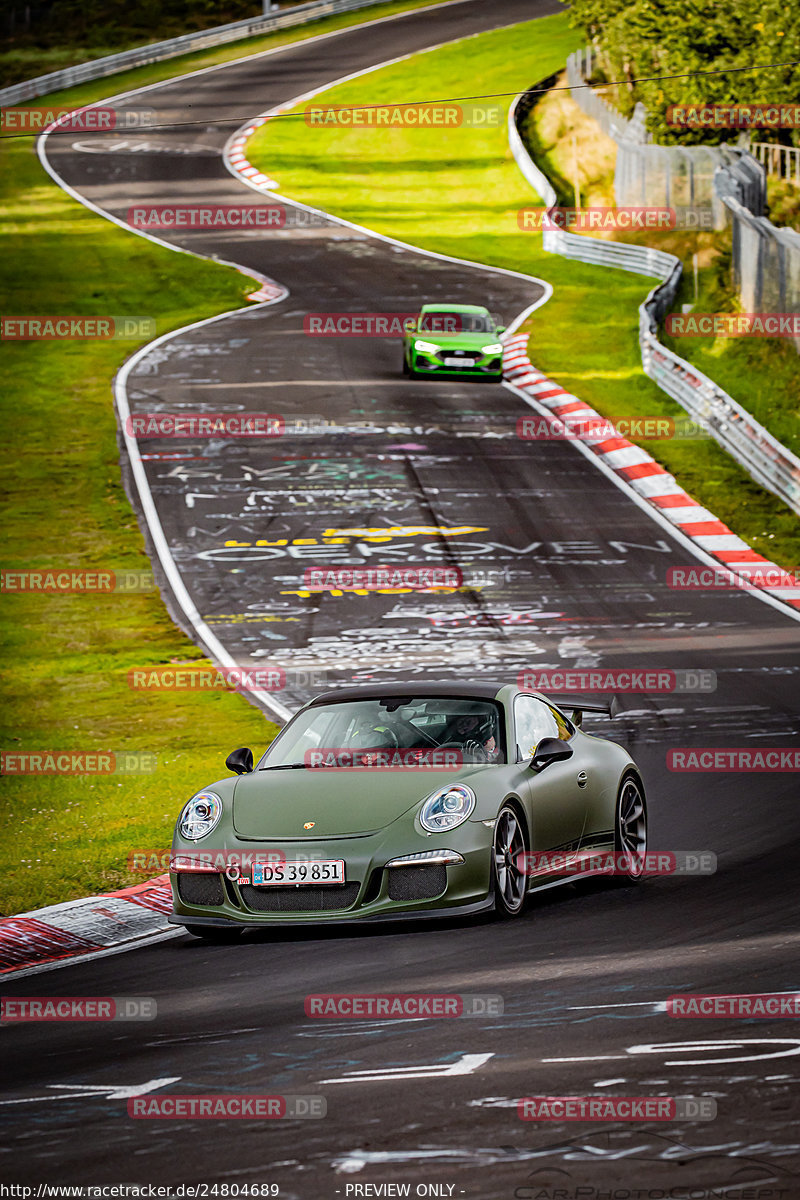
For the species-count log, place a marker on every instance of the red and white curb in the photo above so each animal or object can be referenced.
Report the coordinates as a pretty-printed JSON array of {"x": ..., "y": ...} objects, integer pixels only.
[
  {"x": 86, "y": 928},
  {"x": 651, "y": 482},
  {"x": 269, "y": 292},
  {"x": 237, "y": 162},
  {"x": 237, "y": 159}
]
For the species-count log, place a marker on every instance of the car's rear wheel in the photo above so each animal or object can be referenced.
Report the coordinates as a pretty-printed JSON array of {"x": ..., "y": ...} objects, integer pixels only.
[
  {"x": 213, "y": 933},
  {"x": 630, "y": 830},
  {"x": 510, "y": 879}
]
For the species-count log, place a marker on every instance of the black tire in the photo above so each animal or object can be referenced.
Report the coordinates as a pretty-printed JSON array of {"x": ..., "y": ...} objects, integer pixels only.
[
  {"x": 630, "y": 829},
  {"x": 508, "y": 882},
  {"x": 213, "y": 933},
  {"x": 406, "y": 368}
]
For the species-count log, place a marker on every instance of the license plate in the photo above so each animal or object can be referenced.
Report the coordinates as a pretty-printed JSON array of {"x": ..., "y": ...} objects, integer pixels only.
[
  {"x": 458, "y": 362},
  {"x": 323, "y": 871}
]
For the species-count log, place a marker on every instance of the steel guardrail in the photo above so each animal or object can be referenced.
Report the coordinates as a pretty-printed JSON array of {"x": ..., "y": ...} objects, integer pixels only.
[{"x": 766, "y": 459}]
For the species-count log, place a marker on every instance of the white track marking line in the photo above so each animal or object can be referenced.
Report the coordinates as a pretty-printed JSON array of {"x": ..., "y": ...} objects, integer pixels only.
[
  {"x": 707, "y": 1045},
  {"x": 107, "y": 1091},
  {"x": 206, "y": 638},
  {"x": 466, "y": 1065}
]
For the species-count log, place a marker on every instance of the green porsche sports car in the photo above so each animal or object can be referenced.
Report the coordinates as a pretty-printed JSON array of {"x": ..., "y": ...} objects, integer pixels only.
[
  {"x": 405, "y": 800},
  {"x": 448, "y": 339}
]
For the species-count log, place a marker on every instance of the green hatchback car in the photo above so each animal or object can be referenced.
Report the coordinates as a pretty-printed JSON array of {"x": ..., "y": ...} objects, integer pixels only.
[
  {"x": 447, "y": 339},
  {"x": 405, "y": 800}
]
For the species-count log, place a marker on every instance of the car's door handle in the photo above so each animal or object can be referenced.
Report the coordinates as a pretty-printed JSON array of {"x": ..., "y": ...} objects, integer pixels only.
[{"x": 583, "y": 779}]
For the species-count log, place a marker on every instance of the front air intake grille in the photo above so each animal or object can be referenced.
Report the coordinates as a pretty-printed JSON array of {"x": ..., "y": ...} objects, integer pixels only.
[
  {"x": 200, "y": 889},
  {"x": 417, "y": 883},
  {"x": 299, "y": 899},
  {"x": 467, "y": 358}
]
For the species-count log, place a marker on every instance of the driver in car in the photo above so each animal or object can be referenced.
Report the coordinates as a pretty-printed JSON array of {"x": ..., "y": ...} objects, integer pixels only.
[
  {"x": 374, "y": 737},
  {"x": 475, "y": 732}
]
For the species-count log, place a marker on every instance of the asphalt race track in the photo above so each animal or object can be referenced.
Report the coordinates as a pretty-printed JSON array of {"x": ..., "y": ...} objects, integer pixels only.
[{"x": 564, "y": 571}]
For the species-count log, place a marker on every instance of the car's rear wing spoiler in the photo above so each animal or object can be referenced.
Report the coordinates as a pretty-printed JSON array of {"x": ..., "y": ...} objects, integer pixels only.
[{"x": 577, "y": 706}]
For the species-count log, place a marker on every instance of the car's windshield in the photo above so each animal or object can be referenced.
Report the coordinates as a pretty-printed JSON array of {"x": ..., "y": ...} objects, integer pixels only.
[
  {"x": 455, "y": 322},
  {"x": 471, "y": 730}
]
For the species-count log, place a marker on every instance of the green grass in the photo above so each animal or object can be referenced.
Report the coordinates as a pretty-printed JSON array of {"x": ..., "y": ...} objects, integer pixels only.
[
  {"x": 783, "y": 202},
  {"x": 761, "y": 373},
  {"x": 458, "y": 191}
]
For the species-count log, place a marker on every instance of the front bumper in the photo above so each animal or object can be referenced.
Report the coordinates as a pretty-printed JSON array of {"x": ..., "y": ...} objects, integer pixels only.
[
  {"x": 472, "y": 363},
  {"x": 430, "y": 914},
  {"x": 371, "y": 892}
]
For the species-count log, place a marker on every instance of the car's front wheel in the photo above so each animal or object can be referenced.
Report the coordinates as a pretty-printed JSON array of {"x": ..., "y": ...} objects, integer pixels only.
[
  {"x": 213, "y": 933},
  {"x": 508, "y": 866},
  {"x": 630, "y": 830}
]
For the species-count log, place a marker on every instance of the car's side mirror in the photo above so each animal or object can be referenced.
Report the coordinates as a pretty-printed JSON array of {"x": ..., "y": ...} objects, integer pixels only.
[
  {"x": 240, "y": 761},
  {"x": 500, "y": 329},
  {"x": 550, "y": 750}
]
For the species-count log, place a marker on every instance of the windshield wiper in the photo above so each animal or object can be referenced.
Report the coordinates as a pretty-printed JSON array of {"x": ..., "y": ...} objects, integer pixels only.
[{"x": 285, "y": 767}]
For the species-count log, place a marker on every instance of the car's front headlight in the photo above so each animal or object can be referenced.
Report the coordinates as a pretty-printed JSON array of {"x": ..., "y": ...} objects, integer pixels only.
[
  {"x": 446, "y": 808},
  {"x": 425, "y": 347},
  {"x": 495, "y": 348},
  {"x": 200, "y": 816}
]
